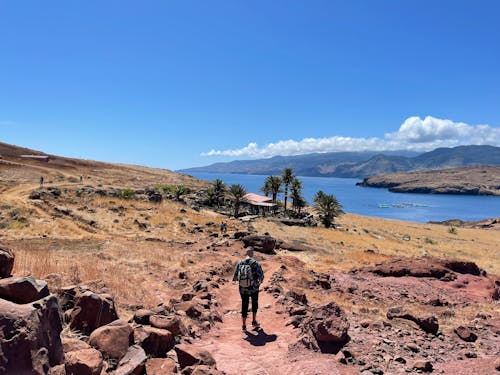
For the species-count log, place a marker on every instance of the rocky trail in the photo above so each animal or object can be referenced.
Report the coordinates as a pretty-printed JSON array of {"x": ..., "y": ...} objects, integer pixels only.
[{"x": 266, "y": 350}]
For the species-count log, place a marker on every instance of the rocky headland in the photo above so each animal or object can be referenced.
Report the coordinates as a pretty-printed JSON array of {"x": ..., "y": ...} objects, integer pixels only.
[{"x": 483, "y": 180}]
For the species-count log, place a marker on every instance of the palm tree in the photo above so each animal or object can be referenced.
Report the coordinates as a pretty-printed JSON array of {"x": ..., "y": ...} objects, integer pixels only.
[
  {"x": 237, "y": 193},
  {"x": 219, "y": 190},
  {"x": 272, "y": 186},
  {"x": 296, "y": 194},
  {"x": 287, "y": 177},
  {"x": 328, "y": 207}
]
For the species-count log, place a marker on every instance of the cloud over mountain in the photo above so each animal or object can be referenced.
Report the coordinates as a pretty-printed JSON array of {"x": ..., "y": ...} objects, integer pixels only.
[{"x": 414, "y": 134}]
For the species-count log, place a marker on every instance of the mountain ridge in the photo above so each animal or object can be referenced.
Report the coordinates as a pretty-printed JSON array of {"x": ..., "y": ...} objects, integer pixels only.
[{"x": 361, "y": 164}]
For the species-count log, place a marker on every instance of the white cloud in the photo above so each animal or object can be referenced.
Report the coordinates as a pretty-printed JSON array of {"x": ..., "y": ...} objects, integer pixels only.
[{"x": 414, "y": 134}]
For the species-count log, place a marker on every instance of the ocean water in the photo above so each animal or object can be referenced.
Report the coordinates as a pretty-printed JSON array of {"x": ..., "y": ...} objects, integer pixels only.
[{"x": 381, "y": 202}]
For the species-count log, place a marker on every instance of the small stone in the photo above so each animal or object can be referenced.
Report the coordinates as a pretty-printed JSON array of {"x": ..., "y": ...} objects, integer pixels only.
[
  {"x": 424, "y": 366},
  {"x": 465, "y": 334}
]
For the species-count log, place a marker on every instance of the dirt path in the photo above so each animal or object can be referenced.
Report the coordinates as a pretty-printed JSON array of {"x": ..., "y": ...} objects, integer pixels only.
[{"x": 265, "y": 351}]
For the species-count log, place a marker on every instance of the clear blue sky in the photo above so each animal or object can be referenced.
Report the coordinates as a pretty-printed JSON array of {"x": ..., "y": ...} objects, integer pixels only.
[{"x": 161, "y": 82}]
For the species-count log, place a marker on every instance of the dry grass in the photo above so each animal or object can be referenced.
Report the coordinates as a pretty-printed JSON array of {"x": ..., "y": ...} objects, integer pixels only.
[{"x": 347, "y": 248}]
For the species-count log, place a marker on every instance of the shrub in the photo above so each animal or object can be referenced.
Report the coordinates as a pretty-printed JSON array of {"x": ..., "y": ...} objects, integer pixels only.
[
  {"x": 452, "y": 230},
  {"x": 127, "y": 193}
]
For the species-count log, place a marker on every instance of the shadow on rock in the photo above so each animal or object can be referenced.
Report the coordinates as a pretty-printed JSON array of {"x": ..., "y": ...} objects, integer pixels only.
[
  {"x": 260, "y": 338},
  {"x": 332, "y": 347}
]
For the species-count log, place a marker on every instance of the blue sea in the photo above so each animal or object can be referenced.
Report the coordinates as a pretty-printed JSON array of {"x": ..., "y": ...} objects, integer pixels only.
[{"x": 380, "y": 202}]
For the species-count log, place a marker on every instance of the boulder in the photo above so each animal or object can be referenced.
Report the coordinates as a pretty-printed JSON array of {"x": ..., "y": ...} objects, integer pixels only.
[
  {"x": 23, "y": 289},
  {"x": 156, "y": 342},
  {"x": 465, "y": 334},
  {"x": 142, "y": 316},
  {"x": 428, "y": 324},
  {"x": 113, "y": 339},
  {"x": 173, "y": 323},
  {"x": 84, "y": 362},
  {"x": 30, "y": 340},
  {"x": 161, "y": 366},
  {"x": 329, "y": 324},
  {"x": 72, "y": 345},
  {"x": 424, "y": 366},
  {"x": 92, "y": 311},
  {"x": 133, "y": 363},
  {"x": 262, "y": 244},
  {"x": 193, "y": 309},
  {"x": 6, "y": 261},
  {"x": 189, "y": 356}
]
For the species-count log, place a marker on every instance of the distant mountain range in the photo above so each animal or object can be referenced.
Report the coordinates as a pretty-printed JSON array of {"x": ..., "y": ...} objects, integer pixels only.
[{"x": 361, "y": 164}]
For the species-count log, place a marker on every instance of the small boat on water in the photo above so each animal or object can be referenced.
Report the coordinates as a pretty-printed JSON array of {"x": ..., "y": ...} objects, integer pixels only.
[{"x": 383, "y": 205}]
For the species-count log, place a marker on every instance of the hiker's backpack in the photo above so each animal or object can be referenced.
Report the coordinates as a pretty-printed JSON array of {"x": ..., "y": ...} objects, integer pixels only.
[{"x": 245, "y": 274}]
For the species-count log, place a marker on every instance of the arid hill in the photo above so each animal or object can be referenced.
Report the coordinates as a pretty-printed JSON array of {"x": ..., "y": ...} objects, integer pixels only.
[
  {"x": 482, "y": 180},
  {"x": 373, "y": 296}
]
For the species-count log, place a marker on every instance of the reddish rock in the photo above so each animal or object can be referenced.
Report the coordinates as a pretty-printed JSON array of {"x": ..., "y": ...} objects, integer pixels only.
[
  {"x": 84, "y": 362},
  {"x": 113, "y": 339},
  {"x": 428, "y": 324},
  {"x": 329, "y": 324},
  {"x": 263, "y": 244},
  {"x": 30, "y": 336},
  {"x": 142, "y": 316},
  {"x": 189, "y": 356},
  {"x": 205, "y": 370},
  {"x": 465, "y": 334},
  {"x": 6, "y": 261},
  {"x": 58, "y": 370},
  {"x": 161, "y": 366},
  {"x": 172, "y": 323},
  {"x": 23, "y": 289},
  {"x": 424, "y": 366},
  {"x": 133, "y": 363},
  {"x": 92, "y": 311},
  {"x": 71, "y": 345},
  {"x": 192, "y": 309},
  {"x": 156, "y": 342},
  {"x": 496, "y": 364}
]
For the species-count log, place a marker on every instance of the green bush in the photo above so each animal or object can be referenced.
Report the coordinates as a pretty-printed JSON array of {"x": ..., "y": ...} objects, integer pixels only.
[
  {"x": 452, "y": 230},
  {"x": 127, "y": 193}
]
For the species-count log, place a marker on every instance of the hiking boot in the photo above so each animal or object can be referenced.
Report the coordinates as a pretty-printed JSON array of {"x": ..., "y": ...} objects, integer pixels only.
[
  {"x": 243, "y": 327},
  {"x": 255, "y": 324}
]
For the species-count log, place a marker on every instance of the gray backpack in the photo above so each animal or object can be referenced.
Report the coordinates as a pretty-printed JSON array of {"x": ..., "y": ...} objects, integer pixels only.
[{"x": 245, "y": 274}]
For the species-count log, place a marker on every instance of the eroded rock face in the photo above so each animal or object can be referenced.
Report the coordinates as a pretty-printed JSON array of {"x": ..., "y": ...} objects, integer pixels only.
[
  {"x": 30, "y": 340},
  {"x": 23, "y": 289},
  {"x": 6, "y": 261},
  {"x": 92, "y": 311},
  {"x": 113, "y": 339},
  {"x": 263, "y": 244}
]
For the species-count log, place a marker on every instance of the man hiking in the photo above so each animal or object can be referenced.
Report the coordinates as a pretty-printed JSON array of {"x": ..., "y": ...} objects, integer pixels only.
[{"x": 249, "y": 274}]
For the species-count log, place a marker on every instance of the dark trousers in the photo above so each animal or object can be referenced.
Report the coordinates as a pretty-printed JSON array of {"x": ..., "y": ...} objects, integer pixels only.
[{"x": 244, "y": 303}]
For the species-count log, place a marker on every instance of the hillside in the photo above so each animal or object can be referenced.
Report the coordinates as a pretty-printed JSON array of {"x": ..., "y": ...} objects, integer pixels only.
[
  {"x": 16, "y": 169},
  {"x": 361, "y": 164},
  {"x": 482, "y": 180},
  {"x": 151, "y": 277}
]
